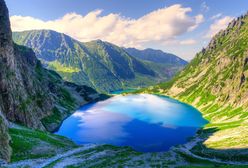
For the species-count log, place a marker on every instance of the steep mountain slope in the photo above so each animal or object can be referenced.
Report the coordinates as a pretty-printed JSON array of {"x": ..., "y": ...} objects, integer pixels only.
[
  {"x": 5, "y": 150},
  {"x": 98, "y": 64},
  {"x": 216, "y": 82},
  {"x": 31, "y": 95},
  {"x": 156, "y": 56},
  {"x": 166, "y": 65}
]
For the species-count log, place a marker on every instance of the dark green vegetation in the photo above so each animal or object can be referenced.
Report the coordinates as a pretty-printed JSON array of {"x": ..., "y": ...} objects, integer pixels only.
[
  {"x": 216, "y": 82},
  {"x": 101, "y": 65}
]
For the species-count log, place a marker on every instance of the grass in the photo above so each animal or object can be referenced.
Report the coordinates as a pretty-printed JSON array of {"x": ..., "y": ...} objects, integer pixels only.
[
  {"x": 55, "y": 117},
  {"x": 25, "y": 143},
  {"x": 57, "y": 66},
  {"x": 115, "y": 156}
]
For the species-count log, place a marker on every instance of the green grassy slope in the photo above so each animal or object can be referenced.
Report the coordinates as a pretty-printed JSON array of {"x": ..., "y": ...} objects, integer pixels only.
[
  {"x": 216, "y": 82},
  {"x": 32, "y": 144}
]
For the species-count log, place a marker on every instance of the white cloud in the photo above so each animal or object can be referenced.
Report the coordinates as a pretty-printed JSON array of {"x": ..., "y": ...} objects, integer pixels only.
[
  {"x": 188, "y": 42},
  {"x": 198, "y": 20},
  {"x": 175, "y": 42},
  {"x": 216, "y": 16},
  {"x": 219, "y": 24},
  {"x": 204, "y": 7},
  {"x": 159, "y": 25}
]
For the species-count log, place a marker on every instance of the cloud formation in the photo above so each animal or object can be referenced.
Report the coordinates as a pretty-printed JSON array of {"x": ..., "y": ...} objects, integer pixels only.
[
  {"x": 158, "y": 26},
  {"x": 188, "y": 42},
  {"x": 204, "y": 7},
  {"x": 216, "y": 16},
  {"x": 219, "y": 24}
]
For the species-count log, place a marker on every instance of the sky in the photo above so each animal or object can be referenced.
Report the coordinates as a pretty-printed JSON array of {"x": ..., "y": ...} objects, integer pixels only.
[{"x": 181, "y": 27}]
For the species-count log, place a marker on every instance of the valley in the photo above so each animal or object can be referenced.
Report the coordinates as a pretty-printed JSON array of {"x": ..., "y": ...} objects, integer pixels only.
[{"x": 97, "y": 105}]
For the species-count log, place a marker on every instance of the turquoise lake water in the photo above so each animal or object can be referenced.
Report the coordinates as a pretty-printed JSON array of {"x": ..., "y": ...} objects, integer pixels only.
[
  {"x": 145, "y": 122},
  {"x": 123, "y": 91}
]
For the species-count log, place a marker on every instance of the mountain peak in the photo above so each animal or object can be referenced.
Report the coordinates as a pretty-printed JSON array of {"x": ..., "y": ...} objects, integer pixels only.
[
  {"x": 5, "y": 31},
  {"x": 100, "y": 42}
]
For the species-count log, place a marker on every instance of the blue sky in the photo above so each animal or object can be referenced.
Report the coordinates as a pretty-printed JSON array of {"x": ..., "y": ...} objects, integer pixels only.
[{"x": 182, "y": 27}]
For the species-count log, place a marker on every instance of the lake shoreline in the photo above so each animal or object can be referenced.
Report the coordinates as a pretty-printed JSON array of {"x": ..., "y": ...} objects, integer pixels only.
[{"x": 135, "y": 106}]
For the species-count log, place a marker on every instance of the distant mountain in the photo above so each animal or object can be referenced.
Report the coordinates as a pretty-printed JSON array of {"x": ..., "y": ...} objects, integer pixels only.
[
  {"x": 101, "y": 65},
  {"x": 156, "y": 56}
]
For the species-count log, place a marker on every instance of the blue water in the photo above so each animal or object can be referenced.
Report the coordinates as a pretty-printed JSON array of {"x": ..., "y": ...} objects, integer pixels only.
[
  {"x": 122, "y": 91},
  {"x": 147, "y": 123}
]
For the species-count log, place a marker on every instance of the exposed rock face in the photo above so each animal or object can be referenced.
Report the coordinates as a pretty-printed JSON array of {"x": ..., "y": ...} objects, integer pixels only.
[
  {"x": 5, "y": 48},
  {"x": 5, "y": 150},
  {"x": 29, "y": 94},
  {"x": 19, "y": 84}
]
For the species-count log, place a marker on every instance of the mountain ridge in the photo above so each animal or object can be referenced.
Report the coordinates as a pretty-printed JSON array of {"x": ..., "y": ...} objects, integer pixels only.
[
  {"x": 114, "y": 68},
  {"x": 158, "y": 56}
]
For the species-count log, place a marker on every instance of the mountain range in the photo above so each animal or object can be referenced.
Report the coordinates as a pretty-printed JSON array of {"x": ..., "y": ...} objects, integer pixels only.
[
  {"x": 98, "y": 64},
  {"x": 34, "y": 100}
]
